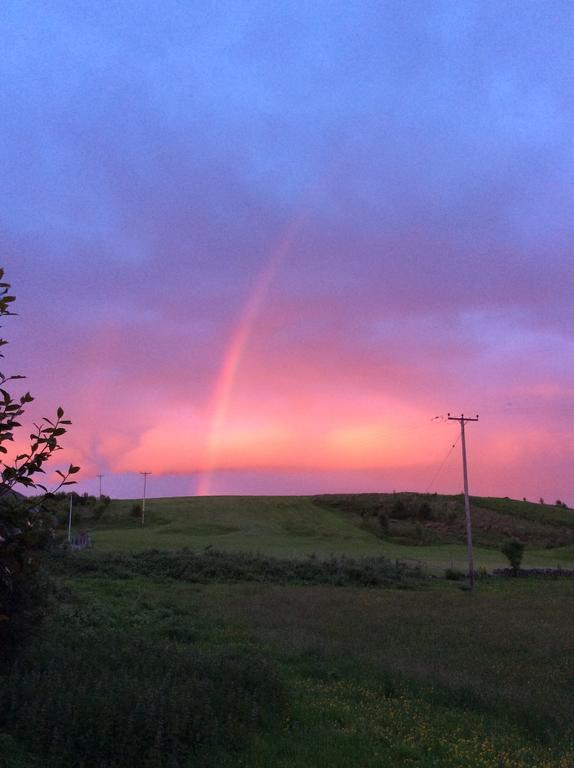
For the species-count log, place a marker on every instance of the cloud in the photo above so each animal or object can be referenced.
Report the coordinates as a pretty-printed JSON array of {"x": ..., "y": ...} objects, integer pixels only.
[{"x": 155, "y": 158}]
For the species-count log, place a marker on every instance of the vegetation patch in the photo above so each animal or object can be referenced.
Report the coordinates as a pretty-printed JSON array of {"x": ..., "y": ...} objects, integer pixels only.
[
  {"x": 100, "y": 693},
  {"x": 413, "y": 518},
  {"x": 213, "y": 565}
]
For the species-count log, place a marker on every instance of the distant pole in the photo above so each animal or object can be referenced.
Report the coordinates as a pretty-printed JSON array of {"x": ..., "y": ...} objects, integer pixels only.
[
  {"x": 145, "y": 474},
  {"x": 100, "y": 476},
  {"x": 70, "y": 518},
  {"x": 461, "y": 419}
]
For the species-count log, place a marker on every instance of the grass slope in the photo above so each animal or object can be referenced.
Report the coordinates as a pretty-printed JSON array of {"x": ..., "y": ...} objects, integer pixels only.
[{"x": 345, "y": 524}]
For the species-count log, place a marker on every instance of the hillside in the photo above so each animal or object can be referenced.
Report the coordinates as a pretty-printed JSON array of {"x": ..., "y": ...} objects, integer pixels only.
[
  {"x": 425, "y": 528},
  {"x": 410, "y": 518}
]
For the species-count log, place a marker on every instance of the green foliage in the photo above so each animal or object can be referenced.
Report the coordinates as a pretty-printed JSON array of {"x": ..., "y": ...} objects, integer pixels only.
[
  {"x": 430, "y": 680},
  {"x": 514, "y": 551},
  {"x": 420, "y": 533},
  {"x": 527, "y": 510},
  {"x": 383, "y": 519},
  {"x": 454, "y": 574},
  {"x": 136, "y": 511},
  {"x": 100, "y": 507},
  {"x": 232, "y": 567},
  {"x": 109, "y": 699},
  {"x": 25, "y": 526},
  {"x": 424, "y": 511},
  {"x": 400, "y": 509}
]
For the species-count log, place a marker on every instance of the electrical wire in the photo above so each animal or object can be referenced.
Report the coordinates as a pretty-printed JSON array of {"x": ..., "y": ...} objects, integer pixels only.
[{"x": 444, "y": 461}]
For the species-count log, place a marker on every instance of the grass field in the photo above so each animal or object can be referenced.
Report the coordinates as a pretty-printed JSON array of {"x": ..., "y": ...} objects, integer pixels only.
[
  {"x": 296, "y": 526},
  {"x": 369, "y": 678},
  {"x": 176, "y": 645}
]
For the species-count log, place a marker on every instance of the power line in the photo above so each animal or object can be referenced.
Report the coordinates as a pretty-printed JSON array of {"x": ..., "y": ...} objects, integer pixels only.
[{"x": 444, "y": 461}]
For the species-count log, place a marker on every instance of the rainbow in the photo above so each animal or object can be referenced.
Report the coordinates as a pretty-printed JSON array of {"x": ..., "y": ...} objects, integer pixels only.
[{"x": 235, "y": 349}]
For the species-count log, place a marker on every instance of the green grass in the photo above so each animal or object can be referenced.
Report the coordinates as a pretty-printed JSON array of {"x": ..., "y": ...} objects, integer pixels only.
[
  {"x": 219, "y": 657},
  {"x": 364, "y": 677},
  {"x": 297, "y": 527},
  {"x": 528, "y": 510},
  {"x": 276, "y": 525}
]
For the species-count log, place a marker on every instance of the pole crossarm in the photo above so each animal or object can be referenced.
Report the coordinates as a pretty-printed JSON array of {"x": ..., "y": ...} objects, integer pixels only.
[{"x": 462, "y": 417}]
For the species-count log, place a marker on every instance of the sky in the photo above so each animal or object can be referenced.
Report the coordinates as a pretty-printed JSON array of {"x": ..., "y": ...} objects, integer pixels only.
[{"x": 267, "y": 247}]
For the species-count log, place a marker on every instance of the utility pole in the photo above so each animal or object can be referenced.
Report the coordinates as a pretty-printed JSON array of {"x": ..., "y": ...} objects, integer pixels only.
[
  {"x": 70, "y": 518},
  {"x": 100, "y": 476},
  {"x": 145, "y": 474},
  {"x": 461, "y": 419}
]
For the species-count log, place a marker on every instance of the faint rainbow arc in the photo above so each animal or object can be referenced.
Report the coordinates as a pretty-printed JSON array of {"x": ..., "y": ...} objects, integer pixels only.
[{"x": 235, "y": 349}]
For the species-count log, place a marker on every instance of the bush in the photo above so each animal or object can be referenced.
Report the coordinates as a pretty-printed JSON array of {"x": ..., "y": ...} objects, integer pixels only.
[
  {"x": 453, "y": 574},
  {"x": 26, "y": 527},
  {"x": 136, "y": 511},
  {"x": 383, "y": 521},
  {"x": 400, "y": 510},
  {"x": 514, "y": 551},
  {"x": 231, "y": 567},
  {"x": 424, "y": 511},
  {"x": 420, "y": 533}
]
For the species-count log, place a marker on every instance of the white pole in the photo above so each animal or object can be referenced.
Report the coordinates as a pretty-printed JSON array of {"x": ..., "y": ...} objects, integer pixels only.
[
  {"x": 70, "y": 518},
  {"x": 145, "y": 474}
]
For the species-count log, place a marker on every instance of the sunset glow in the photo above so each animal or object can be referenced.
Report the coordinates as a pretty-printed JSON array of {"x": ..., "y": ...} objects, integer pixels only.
[{"x": 259, "y": 248}]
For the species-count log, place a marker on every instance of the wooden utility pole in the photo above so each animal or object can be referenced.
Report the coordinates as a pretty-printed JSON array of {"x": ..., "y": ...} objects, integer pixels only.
[
  {"x": 461, "y": 419},
  {"x": 145, "y": 474}
]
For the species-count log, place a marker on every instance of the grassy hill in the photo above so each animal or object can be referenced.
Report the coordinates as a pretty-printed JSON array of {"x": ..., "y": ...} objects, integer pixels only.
[{"x": 429, "y": 529}]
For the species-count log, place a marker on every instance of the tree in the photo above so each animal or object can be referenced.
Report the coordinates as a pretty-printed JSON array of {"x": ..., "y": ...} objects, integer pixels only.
[
  {"x": 26, "y": 526},
  {"x": 514, "y": 551}
]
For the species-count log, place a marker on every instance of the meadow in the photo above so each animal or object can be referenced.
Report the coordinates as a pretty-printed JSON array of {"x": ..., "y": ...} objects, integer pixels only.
[
  {"x": 335, "y": 525},
  {"x": 262, "y": 652}
]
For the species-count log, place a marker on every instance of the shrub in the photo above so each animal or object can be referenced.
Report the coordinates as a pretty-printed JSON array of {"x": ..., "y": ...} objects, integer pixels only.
[
  {"x": 514, "y": 551},
  {"x": 98, "y": 511},
  {"x": 136, "y": 511},
  {"x": 400, "y": 510},
  {"x": 26, "y": 526},
  {"x": 424, "y": 511},
  {"x": 420, "y": 533},
  {"x": 383, "y": 521},
  {"x": 454, "y": 574},
  {"x": 230, "y": 567}
]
